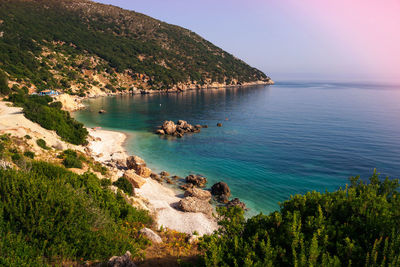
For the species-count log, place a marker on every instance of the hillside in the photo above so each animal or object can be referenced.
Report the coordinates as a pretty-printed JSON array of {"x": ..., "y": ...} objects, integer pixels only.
[{"x": 80, "y": 46}]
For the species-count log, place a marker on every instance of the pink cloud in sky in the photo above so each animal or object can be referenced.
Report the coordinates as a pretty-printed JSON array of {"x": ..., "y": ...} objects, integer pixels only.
[{"x": 369, "y": 28}]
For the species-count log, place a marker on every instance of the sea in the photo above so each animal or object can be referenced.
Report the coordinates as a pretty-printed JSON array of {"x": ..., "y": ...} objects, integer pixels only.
[{"x": 275, "y": 141}]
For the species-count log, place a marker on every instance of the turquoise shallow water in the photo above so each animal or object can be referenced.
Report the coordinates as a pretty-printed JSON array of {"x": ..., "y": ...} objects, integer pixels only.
[{"x": 278, "y": 140}]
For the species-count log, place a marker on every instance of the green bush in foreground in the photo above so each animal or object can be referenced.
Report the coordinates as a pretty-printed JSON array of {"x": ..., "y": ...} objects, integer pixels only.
[
  {"x": 123, "y": 184},
  {"x": 49, "y": 214},
  {"x": 358, "y": 225}
]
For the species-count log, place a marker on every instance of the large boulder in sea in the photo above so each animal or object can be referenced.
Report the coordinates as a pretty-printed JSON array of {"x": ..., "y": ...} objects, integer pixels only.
[
  {"x": 121, "y": 261},
  {"x": 169, "y": 127},
  {"x": 196, "y": 180},
  {"x": 135, "y": 180},
  {"x": 221, "y": 191},
  {"x": 192, "y": 204},
  {"x": 198, "y": 193}
]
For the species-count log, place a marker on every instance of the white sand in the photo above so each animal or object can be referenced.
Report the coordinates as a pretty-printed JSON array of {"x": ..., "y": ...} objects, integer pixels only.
[
  {"x": 109, "y": 145},
  {"x": 162, "y": 200}
]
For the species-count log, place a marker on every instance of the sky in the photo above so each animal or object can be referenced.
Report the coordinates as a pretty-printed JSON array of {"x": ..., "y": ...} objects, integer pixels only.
[{"x": 341, "y": 40}]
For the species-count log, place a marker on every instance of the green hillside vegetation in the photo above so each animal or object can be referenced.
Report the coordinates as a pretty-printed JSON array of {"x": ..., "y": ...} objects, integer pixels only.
[
  {"x": 124, "y": 41},
  {"x": 48, "y": 214},
  {"x": 355, "y": 226},
  {"x": 49, "y": 115}
]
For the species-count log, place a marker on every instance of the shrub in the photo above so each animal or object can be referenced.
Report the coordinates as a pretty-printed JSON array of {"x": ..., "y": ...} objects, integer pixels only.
[
  {"x": 123, "y": 184},
  {"x": 16, "y": 157},
  {"x": 29, "y": 154},
  {"x": 41, "y": 143},
  {"x": 72, "y": 162},
  {"x": 357, "y": 225},
  {"x": 98, "y": 167},
  {"x": 28, "y": 137},
  {"x": 105, "y": 182},
  {"x": 4, "y": 89},
  {"x": 70, "y": 152},
  {"x": 57, "y": 105},
  {"x": 48, "y": 215}
]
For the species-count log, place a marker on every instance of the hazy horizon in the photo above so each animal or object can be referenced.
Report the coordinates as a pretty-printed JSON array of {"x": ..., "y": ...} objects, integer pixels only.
[{"x": 342, "y": 41}]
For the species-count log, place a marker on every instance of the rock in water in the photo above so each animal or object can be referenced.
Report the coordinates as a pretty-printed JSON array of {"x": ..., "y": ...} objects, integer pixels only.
[
  {"x": 135, "y": 180},
  {"x": 164, "y": 173},
  {"x": 191, "y": 204},
  {"x": 169, "y": 127},
  {"x": 221, "y": 191},
  {"x": 198, "y": 193},
  {"x": 236, "y": 203},
  {"x": 160, "y": 132},
  {"x": 196, "y": 180},
  {"x": 154, "y": 176},
  {"x": 121, "y": 261},
  {"x": 186, "y": 186},
  {"x": 149, "y": 234}
]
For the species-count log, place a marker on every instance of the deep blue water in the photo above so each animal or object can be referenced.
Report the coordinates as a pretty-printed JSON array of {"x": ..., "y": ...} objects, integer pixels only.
[{"x": 277, "y": 140}]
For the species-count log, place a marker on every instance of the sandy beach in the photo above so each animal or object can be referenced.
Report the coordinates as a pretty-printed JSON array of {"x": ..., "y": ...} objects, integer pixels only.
[{"x": 108, "y": 145}]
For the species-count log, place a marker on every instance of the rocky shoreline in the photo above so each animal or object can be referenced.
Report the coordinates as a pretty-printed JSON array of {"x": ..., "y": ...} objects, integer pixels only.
[
  {"x": 187, "y": 210},
  {"x": 74, "y": 102}
]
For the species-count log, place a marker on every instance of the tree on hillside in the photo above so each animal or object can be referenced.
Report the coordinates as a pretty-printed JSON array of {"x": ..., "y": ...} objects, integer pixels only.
[{"x": 4, "y": 89}]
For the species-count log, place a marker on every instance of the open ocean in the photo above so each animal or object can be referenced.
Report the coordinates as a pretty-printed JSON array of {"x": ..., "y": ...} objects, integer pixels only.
[{"x": 277, "y": 141}]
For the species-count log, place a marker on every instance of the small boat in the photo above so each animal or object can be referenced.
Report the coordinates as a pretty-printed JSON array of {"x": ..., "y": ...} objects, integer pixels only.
[{"x": 101, "y": 111}]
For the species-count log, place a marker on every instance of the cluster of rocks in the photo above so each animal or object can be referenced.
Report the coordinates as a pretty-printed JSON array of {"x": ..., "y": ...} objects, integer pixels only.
[
  {"x": 195, "y": 198},
  {"x": 135, "y": 170},
  {"x": 165, "y": 177},
  {"x": 198, "y": 200},
  {"x": 179, "y": 129}
]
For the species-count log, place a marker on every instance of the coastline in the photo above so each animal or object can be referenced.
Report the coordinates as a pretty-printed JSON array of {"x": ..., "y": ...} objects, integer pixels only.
[
  {"x": 107, "y": 146},
  {"x": 73, "y": 103}
]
